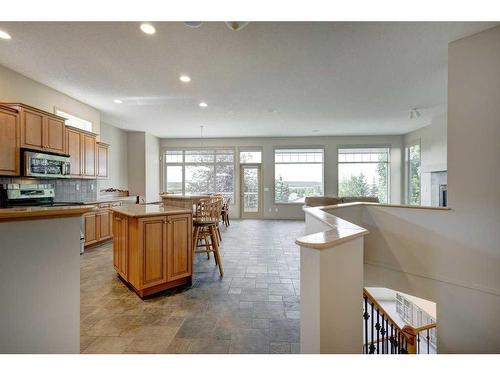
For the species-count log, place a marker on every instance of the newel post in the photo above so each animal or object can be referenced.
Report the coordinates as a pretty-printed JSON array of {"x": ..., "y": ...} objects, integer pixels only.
[{"x": 331, "y": 286}]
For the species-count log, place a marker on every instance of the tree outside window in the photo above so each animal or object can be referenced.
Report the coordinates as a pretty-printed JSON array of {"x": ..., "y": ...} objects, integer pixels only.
[
  {"x": 364, "y": 172},
  {"x": 413, "y": 170}
]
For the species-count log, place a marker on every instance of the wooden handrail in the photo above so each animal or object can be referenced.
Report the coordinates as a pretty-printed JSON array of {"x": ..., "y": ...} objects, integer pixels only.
[
  {"x": 375, "y": 302},
  {"x": 426, "y": 327},
  {"x": 380, "y": 308}
]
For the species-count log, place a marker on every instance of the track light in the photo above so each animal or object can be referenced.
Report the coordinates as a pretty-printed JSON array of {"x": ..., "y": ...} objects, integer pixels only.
[{"x": 414, "y": 113}]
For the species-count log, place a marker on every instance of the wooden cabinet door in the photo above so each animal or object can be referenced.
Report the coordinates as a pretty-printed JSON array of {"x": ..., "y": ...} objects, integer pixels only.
[
  {"x": 179, "y": 250},
  {"x": 32, "y": 125},
  {"x": 124, "y": 246},
  {"x": 120, "y": 244},
  {"x": 153, "y": 247},
  {"x": 88, "y": 155},
  {"x": 116, "y": 242},
  {"x": 103, "y": 225},
  {"x": 53, "y": 135},
  {"x": 9, "y": 142},
  {"x": 102, "y": 160},
  {"x": 90, "y": 228},
  {"x": 73, "y": 149}
]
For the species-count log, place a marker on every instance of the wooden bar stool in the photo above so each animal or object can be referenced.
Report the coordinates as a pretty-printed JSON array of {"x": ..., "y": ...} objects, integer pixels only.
[{"x": 205, "y": 228}]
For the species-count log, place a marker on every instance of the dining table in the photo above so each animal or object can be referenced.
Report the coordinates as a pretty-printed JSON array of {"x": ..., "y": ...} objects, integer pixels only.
[{"x": 182, "y": 200}]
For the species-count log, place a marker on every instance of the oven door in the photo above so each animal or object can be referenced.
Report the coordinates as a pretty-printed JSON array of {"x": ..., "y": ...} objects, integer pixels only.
[{"x": 38, "y": 164}]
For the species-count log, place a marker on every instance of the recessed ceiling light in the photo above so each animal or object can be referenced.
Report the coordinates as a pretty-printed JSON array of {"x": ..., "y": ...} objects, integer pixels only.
[
  {"x": 148, "y": 28},
  {"x": 118, "y": 101},
  {"x": 4, "y": 35},
  {"x": 203, "y": 105},
  {"x": 185, "y": 78}
]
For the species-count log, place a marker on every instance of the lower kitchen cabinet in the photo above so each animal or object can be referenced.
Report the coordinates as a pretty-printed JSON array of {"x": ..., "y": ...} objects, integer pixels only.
[
  {"x": 99, "y": 224},
  {"x": 120, "y": 244},
  {"x": 156, "y": 251}
]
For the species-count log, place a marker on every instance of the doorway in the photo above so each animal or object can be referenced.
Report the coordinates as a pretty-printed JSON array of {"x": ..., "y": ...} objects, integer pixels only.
[{"x": 251, "y": 191}]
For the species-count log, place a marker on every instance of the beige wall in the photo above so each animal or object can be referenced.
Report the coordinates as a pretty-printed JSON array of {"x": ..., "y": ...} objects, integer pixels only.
[
  {"x": 331, "y": 144},
  {"x": 433, "y": 150},
  {"x": 15, "y": 87},
  {"x": 117, "y": 158}
]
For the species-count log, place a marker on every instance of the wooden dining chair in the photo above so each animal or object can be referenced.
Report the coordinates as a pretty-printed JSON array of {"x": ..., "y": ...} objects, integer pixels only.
[
  {"x": 205, "y": 229},
  {"x": 225, "y": 212}
]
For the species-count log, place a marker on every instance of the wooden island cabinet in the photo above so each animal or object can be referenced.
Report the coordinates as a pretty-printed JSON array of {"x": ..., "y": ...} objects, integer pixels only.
[{"x": 152, "y": 246}]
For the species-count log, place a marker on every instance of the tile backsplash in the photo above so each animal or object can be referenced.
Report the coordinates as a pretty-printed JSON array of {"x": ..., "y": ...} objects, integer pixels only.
[{"x": 66, "y": 190}]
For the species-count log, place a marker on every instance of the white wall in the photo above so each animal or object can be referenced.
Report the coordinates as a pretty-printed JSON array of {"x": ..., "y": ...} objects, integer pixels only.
[
  {"x": 152, "y": 159},
  {"x": 433, "y": 150},
  {"x": 453, "y": 257},
  {"x": 143, "y": 156},
  {"x": 331, "y": 144},
  {"x": 117, "y": 157},
  {"x": 15, "y": 87},
  {"x": 136, "y": 151}
]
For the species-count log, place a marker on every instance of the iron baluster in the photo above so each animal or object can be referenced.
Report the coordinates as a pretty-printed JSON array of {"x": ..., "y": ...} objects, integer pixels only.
[
  {"x": 372, "y": 346},
  {"x": 428, "y": 341},
  {"x": 366, "y": 316}
]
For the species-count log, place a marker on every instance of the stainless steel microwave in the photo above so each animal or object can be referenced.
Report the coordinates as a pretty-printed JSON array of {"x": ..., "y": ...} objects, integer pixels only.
[{"x": 39, "y": 164}]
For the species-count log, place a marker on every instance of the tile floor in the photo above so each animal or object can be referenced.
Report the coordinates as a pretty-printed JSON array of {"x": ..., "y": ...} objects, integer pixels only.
[{"x": 253, "y": 309}]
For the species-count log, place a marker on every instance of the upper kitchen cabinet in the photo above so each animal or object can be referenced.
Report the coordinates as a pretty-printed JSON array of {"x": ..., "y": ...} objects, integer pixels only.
[
  {"x": 81, "y": 146},
  {"x": 9, "y": 142},
  {"x": 89, "y": 148},
  {"x": 102, "y": 159},
  {"x": 74, "y": 150},
  {"x": 40, "y": 130}
]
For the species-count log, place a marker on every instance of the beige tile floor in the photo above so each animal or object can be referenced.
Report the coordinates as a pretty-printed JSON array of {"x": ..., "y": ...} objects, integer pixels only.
[{"x": 253, "y": 309}]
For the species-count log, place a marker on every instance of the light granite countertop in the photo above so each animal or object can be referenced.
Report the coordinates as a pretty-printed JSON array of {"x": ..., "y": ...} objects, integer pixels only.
[
  {"x": 34, "y": 213},
  {"x": 144, "y": 210}
]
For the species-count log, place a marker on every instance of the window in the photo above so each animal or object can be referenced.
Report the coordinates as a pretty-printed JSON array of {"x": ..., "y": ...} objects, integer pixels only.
[
  {"x": 298, "y": 173},
  {"x": 200, "y": 171},
  {"x": 250, "y": 157},
  {"x": 413, "y": 174},
  {"x": 77, "y": 122},
  {"x": 364, "y": 172}
]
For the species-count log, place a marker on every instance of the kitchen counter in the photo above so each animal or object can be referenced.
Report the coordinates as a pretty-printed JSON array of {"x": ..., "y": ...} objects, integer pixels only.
[
  {"x": 145, "y": 210},
  {"x": 34, "y": 213},
  {"x": 40, "y": 279}
]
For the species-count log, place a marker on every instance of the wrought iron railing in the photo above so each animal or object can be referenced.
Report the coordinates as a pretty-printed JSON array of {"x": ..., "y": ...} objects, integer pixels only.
[{"x": 382, "y": 335}]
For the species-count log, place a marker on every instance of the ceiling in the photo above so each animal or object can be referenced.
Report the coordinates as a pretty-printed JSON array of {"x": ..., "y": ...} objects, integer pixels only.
[{"x": 268, "y": 79}]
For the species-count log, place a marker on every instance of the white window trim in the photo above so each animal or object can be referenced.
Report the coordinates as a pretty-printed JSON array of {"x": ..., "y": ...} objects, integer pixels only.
[
  {"x": 183, "y": 164},
  {"x": 56, "y": 109},
  {"x": 389, "y": 163},
  {"x": 288, "y": 147}
]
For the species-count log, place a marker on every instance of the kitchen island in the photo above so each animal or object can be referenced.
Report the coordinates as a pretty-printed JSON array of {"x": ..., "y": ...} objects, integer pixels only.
[
  {"x": 40, "y": 279},
  {"x": 152, "y": 246}
]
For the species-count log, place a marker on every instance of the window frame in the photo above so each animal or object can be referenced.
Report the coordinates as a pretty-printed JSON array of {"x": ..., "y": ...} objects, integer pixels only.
[
  {"x": 183, "y": 164},
  {"x": 287, "y": 147},
  {"x": 408, "y": 145},
  {"x": 250, "y": 149},
  {"x": 57, "y": 109},
  {"x": 389, "y": 163}
]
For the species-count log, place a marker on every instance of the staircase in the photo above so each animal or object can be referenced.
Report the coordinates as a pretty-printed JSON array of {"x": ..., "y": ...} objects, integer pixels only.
[{"x": 382, "y": 335}]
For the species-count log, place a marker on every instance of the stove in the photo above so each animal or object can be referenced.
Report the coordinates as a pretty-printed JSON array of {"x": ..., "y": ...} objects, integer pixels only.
[{"x": 39, "y": 195}]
